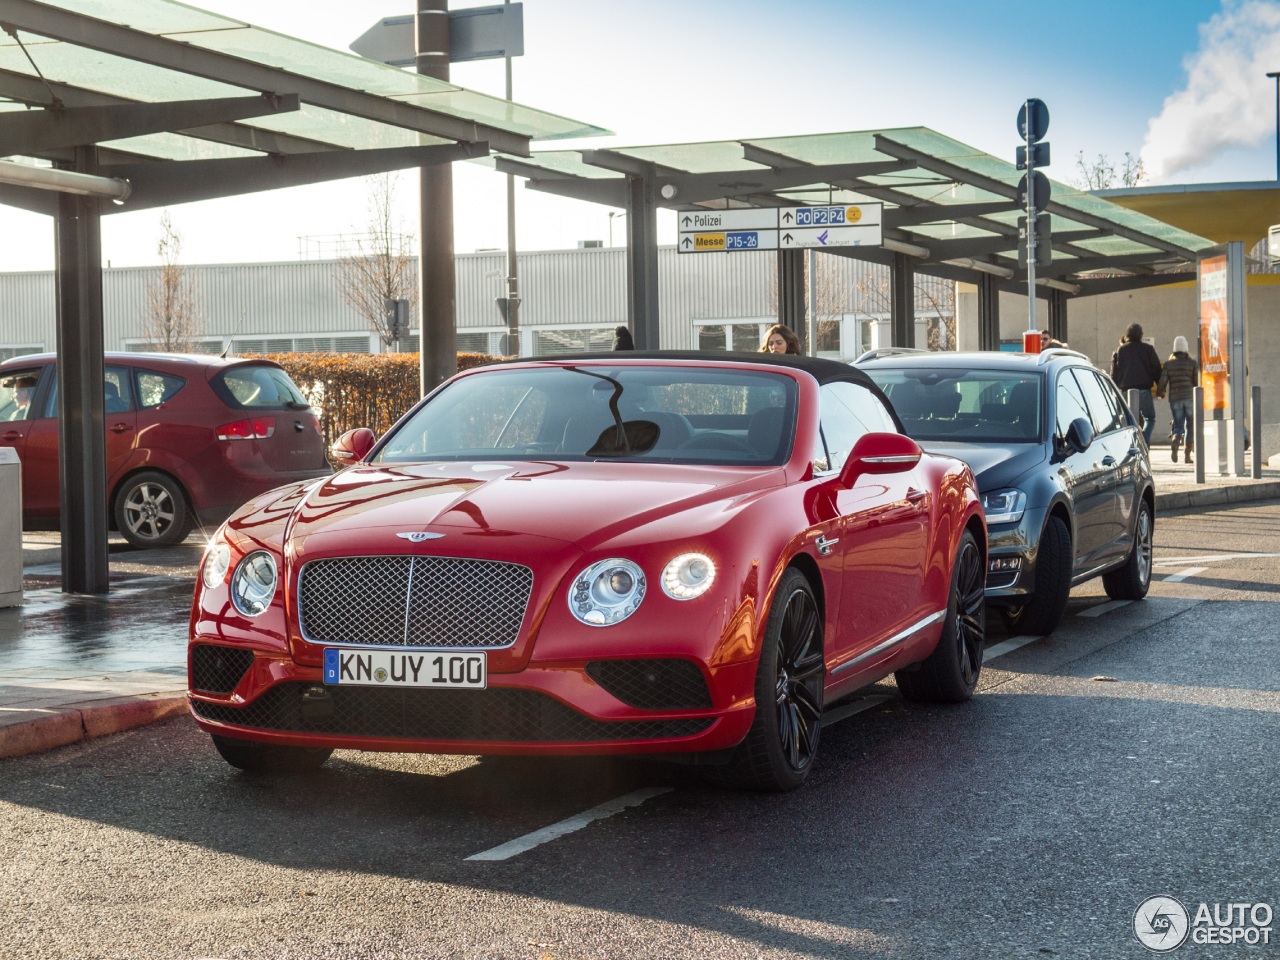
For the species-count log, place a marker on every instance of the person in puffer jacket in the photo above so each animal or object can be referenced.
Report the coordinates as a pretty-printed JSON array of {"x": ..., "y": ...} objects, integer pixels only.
[
  {"x": 1136, "y": 366},
  {"x": 1178, "y": 379}
]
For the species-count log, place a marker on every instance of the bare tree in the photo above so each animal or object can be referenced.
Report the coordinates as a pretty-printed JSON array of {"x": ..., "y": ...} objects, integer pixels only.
[
  {"x": 379, "y": 266},
  {"x": 172, "y": 323},
  {"x": 1100, "y": 174}
]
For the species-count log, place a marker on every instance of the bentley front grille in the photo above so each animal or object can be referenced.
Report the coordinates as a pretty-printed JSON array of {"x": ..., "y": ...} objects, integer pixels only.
[{"x": 413, "y": 601}]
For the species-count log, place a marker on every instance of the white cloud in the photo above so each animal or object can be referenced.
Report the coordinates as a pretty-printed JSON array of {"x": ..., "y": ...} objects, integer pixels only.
[{"x": 1228, "y": 101}]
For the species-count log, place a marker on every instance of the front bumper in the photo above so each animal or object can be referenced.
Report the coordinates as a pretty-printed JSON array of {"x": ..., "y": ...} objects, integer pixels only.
[
  {"x": 1011, "y": 558},
  {"x": 543, "y": 709}
]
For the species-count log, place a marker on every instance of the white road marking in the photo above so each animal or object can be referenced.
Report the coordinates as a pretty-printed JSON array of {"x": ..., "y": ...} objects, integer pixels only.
[
  {"x": 1102, "y": 608},
  {"x": 1211, "y": 558},
  {"x": 1007, "y": 646},
  {"x": 530, "y": 840},
  {"x": 1183, "y": 574}
]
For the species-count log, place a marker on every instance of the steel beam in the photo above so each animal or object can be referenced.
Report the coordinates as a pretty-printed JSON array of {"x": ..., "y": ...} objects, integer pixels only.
[
  {"x": 32, "y": 132},
  {"x": 161, "y": 183},
  {"x": 791, "y": 299},
  {"x": 902, "y": 301},
  {"x": 988, "y": 312},
  {"x": 642, "y": 263},
  {"x": 82, "y": 445},
  {"x": 1058, "y": 315}
]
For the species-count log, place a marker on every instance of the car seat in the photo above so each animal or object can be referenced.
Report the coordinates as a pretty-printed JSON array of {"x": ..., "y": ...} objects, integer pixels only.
[
  {"x": 112, "y": 403},
  {"x": 764, "y": 431}
]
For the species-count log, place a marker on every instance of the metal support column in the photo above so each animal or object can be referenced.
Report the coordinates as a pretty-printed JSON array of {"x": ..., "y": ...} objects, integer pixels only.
[
  {"x": 81, "y": 423},
  {"x": 791, "y": 300},
  {"x": 642, "y": 262},
  {"x": 1058, "y": 315},
  {"x": 988, "y": 313},
  {"x": 438, "y": 341},
  {"x": 902, "y": 301}
]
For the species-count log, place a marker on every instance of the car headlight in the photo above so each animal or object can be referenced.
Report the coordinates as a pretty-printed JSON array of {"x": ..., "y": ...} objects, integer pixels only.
[
  {"x": 216, "y": 562},
  {"x": 1004, "y": 506},
  {"x": 607, "y": 592},
  {"x": 688, "y": 576},
  {"x": 254, "y": 583}
]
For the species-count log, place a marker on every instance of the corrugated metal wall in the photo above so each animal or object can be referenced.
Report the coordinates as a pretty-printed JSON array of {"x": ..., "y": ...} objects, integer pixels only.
[{"x": 560, "y": 288}]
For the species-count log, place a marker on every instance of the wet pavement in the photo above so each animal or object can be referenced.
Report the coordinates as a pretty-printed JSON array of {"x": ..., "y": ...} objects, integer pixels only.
[{"x": 75, "y": 666}]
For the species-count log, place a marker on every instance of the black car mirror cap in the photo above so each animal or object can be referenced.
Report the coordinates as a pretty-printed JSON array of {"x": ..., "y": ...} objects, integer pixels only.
[
  {"x": 880, "y": 453},
  {"x": 1079, "y": 434}
]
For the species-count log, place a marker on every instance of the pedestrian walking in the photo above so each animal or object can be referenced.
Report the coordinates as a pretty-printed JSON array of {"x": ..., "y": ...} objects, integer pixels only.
[
  {"x": 1136, "y": 366},
  {"x": 1178, "y": 380}
]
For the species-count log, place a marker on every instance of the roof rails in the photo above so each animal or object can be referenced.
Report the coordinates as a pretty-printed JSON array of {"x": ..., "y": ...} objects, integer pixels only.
[
  {"x": 1061, "y": 352},
  {"x": 879, "y": 352}
]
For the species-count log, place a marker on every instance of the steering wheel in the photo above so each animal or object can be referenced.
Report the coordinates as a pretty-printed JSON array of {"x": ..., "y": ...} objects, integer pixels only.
[{"x": 717, "y": 441}]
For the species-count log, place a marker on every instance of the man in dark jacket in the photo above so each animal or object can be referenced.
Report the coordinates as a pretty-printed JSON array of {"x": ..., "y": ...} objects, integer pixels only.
[
  {"x": 1135, "y": 366},
  {"x": 1178, "y": 380}
]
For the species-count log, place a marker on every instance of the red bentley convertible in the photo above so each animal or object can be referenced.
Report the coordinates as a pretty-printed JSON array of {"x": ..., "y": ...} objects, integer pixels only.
[{"x": 682, "y": 554}]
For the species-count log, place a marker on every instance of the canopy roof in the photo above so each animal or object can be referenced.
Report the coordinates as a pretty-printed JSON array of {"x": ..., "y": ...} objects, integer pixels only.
[
  {"x": 1223, "y": 212},
  {"x": 155, "y": 80},
  {"x": 947, "y": 204}
]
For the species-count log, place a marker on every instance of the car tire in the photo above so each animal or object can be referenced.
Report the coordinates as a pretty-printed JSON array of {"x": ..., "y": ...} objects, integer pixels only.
[
  {"x": 778, "y": 751},
  {"x": 269, "y": 757},
  {"x": 950, "y": 674},
  {"x": 151, "y": 510},
  {"x": 1130, "y": 580},
  {"x": 1042, "y": 613}
]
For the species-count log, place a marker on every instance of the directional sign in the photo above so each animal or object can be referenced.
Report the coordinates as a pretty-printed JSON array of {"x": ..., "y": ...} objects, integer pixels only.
[
  {"x": 867, "y": 235},
  {"x": 765, "y": 228},
  {"x": 754, "y": 218}
]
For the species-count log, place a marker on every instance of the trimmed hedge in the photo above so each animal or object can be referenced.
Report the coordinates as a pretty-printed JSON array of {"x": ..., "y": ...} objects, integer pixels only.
[{"x": 349, "y": 390}]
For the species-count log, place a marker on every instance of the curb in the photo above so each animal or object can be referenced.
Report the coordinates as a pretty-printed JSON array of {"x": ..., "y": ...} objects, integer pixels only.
[
  {"x": 77, "y": 722},
  {"x": 1212, "y": 496}
]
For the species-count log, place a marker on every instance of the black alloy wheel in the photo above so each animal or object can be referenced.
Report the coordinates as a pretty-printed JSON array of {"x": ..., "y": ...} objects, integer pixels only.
[
  {"x": 780, "y": 748},
  {"x": 950, "y": 673},
  {"x": 1042, "y": 612},
  {"x": 1131, "y": 579}
]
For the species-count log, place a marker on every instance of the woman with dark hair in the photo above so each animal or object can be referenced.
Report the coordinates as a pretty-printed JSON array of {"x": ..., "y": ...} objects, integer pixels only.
[
  {"x": 622, "y": 338},
  {"x": 780, "y": 339},
  {"x": 1136, "y": 366}
]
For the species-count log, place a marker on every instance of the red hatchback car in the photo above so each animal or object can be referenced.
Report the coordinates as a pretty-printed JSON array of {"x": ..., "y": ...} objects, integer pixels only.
[
  {"x": 661, "y": 553},
  {"x": 189, "y": 439}
]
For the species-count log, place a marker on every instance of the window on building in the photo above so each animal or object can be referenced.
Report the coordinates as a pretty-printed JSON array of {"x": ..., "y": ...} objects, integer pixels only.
[{"x": 20, "y": 350}]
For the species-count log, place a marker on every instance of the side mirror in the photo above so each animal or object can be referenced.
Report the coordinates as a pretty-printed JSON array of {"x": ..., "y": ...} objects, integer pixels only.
[
  {"x": 1079, "y": 435},
  {"x": 352, "y": 447},
  {"x": 880, "y": 453}
]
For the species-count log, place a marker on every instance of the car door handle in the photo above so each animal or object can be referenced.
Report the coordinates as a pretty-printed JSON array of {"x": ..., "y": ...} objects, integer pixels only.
[
  {"x": 120, "y": 428},
  {"x": 12, "y": 435},
  {"x": 915, "y": 496},
  {"x": 825, "y": 544}
]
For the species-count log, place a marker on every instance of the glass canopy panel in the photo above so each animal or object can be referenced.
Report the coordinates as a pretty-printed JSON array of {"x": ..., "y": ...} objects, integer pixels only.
[
  {"x": 708, "y": 157},
  {"x": 171, "y": 146},
  {"x": 495, "y": 112},
  {"x": 341, "y": 129},
  {"x": 149, "y": 16},
  {"x": 825, "y": 148},
  {"x": 569, "y": 163},
  {"x": 953, "y": 231}
]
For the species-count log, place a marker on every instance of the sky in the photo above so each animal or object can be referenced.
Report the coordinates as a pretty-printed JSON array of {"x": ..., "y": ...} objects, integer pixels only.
[{"x": 1179, "y": 83}]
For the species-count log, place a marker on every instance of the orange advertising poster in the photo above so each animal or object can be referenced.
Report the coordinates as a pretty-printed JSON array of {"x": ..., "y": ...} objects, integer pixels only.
[{"x": 1214, "y": 333}]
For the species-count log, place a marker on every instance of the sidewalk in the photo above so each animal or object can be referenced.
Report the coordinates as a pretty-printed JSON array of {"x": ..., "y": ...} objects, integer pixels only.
[{"x": 74, "y": 667}]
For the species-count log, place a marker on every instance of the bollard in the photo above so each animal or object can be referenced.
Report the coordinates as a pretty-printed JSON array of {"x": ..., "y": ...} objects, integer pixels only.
[
  {"x": 1131, "y": 397},
  {"x": 1197, "y": 418},
  {"x": 1255, "y": 427}
]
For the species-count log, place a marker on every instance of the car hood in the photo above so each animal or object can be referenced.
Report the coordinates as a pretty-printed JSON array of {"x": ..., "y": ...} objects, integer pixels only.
[
  {"x": 580, "y": 503},
  {"x": 993, "y": 466}
]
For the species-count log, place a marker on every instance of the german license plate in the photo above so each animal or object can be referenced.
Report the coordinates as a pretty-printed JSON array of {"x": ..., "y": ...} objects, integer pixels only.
[{"x": 395, "y": 668}]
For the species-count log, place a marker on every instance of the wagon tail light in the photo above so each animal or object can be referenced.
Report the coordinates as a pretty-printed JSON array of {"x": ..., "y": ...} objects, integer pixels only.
[{"x": 255, "y": 428}]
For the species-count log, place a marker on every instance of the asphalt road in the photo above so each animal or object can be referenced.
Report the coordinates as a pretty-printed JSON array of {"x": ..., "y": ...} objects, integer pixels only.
[{"x": 1132, "y": 754}]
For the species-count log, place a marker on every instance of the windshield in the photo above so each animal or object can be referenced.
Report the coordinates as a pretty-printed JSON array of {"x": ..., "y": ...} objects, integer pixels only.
[
  {"x": 958, "y": 406},
  {"x": 682, "y": 414}
]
